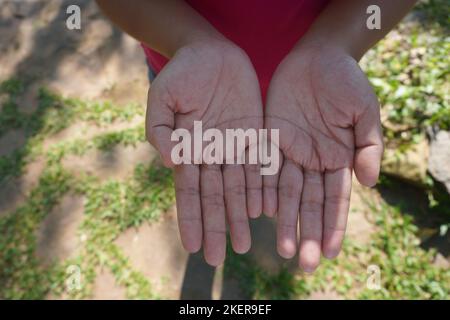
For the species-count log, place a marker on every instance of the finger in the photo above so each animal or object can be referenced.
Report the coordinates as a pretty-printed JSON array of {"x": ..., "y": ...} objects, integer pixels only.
[
  {"x": 369, "y": 146},
  {"x": 213, "y": 214},
  {"x": 270, "y": 190},
  {"x": 235, "y": 202},
  {"x": 338, "y": 186},
  {"x": 311, "y": 217},
  {"x": 187, "y": 179},
  {"x": 289, "y": 193},
  {"x": 159, "y": 125},
  {"x": 253, "y": 184}
]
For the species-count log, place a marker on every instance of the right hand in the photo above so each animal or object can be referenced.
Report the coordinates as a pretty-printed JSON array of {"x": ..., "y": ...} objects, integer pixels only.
[
  {"x": 213, "y": 82},
  {"x": 328, "y": 117}
]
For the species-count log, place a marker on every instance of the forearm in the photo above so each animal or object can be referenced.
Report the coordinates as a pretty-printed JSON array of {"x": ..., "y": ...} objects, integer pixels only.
[
  {"x": 343, "y": 24},
  {"x": 163, "y": 25}
]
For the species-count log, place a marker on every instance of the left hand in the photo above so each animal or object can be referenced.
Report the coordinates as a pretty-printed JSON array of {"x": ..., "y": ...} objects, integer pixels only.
[
  {"x": 329, "y": 125},
  {"x": 213, "y": 82}
]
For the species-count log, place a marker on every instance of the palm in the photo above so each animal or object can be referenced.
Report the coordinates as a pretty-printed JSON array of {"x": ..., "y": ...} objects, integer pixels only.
[
  {"x": 217, "y": 86},
  {"x": 327, "y": 115}
]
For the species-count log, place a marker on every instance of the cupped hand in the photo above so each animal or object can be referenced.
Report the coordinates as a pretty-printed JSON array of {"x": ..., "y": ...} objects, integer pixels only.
[
  {"x": 329, "y": 125},
  {"x": 213, "y": 82}
]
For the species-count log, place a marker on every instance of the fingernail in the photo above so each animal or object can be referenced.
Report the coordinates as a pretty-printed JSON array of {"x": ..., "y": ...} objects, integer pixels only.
[
  {"x": 308, "y": 269},
  {"x": 331, "y": 254}
]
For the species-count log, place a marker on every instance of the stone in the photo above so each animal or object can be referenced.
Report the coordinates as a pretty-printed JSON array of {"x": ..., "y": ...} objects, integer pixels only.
[
  {"x": 439, "y": 160},
  {"x": 441, "y": 262},
  {"x": 410, "y": 165}
]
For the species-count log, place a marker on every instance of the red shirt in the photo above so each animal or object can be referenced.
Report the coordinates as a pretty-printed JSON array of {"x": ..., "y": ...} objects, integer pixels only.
[{"x": 265, "y": 29}]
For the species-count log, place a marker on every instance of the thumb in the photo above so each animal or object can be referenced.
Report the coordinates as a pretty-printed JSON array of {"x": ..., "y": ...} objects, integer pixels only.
[
  {"x": 159, "y": 125},
  {"x": 369, "y": 146}
]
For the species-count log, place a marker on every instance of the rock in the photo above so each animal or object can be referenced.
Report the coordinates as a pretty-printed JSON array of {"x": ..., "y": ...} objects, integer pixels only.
[
  {"x": 410, "y": 165},
  {"x": 441, "y": 262},
  {"x": 439, "y": 159}
]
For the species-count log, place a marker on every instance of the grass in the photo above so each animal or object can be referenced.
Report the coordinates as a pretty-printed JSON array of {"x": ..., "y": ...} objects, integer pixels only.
[
  {"x": 410, "y": 74},
  {"x": 21, "y": 275},
  {"x": 406, "y": 270},
  {"x": 111, "y": 207}
]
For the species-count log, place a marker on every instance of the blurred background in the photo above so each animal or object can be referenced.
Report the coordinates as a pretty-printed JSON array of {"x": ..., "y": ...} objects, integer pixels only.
[{"x": 87, "y": 211}]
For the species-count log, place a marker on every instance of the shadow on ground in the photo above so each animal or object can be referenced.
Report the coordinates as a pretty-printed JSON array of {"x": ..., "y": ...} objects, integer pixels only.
[
  {"x": 38, "y": 49},
  {"x": 414, "y": 201},
  {"x": 202, "y": 281}
]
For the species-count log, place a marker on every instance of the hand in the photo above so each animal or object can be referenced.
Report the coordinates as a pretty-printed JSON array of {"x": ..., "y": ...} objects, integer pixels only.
[
  {"x": 213, "y": 82},
  {"x": 328, "y": 117}
]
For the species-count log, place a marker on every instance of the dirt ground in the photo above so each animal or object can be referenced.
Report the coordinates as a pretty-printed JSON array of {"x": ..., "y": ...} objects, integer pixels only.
[{"x": 99, "y": 62}]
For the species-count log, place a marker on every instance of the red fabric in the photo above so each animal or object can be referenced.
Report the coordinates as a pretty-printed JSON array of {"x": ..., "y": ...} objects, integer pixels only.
[{"x": 265, "y": 29}]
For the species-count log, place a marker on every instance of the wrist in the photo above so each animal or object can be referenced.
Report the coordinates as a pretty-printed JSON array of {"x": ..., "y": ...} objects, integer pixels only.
[
  {"x": 203, "y": 38},
  {"x": 338, "y": 42},
  {"x": 217, "y": 45},
  {"x": 315, "y": 47}
]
